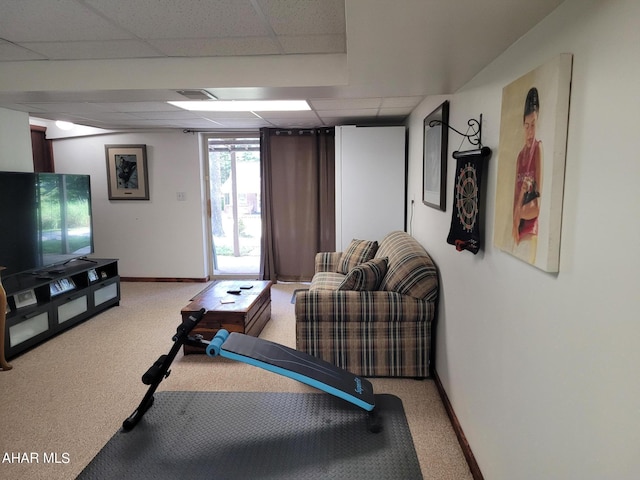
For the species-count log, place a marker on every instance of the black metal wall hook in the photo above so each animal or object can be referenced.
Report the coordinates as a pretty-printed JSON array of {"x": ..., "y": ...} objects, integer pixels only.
[{"x": 474, "y": 138}]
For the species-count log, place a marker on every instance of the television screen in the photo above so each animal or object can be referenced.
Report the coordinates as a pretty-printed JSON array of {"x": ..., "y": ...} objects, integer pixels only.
[
  {"x": 65, "y": 217},
  {"x": 45, "y": 220},
  {"x": 18, "y": 223}
]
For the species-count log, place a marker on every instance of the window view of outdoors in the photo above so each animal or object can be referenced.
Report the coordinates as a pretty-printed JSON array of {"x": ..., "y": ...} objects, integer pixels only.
[
  {"x": 64, "y": 214},
  {"x": 234, "y": 166}
]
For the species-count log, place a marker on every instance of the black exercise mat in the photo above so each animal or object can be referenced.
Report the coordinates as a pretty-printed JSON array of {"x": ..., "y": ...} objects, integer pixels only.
[{"x": 238, "y": 435}]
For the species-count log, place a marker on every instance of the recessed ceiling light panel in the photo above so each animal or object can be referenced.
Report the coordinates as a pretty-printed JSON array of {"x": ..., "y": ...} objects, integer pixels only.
[{"x": 244, "y": 106}]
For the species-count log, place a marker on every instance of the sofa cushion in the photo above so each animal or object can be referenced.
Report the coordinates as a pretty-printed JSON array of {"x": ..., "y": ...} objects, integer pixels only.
[
  {"x": 410, "y": 268},
  {"x": 366, "y": 276},
  {"x": 359, "y": 251},
  {"x": 327, "y": 261},
  {"x": 326, "y": 281}
]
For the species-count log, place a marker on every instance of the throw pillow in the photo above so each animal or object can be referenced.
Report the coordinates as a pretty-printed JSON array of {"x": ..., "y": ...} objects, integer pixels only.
[
  {"x": 366, "y": 276},
  {"x": 359, "y": 251}
]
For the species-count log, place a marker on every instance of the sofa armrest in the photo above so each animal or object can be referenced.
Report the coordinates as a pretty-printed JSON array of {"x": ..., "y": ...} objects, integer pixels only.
[
  {"x": 361, "y": 306},
  {"x": 327, "y": 261}
]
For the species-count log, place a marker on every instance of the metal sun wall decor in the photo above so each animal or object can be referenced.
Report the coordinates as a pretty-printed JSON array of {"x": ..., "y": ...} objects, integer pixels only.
[{"x": 530, "y": 184}]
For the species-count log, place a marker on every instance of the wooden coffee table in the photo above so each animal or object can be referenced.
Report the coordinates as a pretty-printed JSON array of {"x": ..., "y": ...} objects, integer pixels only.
[{"x": 247, "y": 312}]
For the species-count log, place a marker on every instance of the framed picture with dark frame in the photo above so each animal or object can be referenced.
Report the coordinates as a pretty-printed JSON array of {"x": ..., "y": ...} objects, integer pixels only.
[
  {"x": 434, "y": 169},
  {"x": 127, "y": 175}
]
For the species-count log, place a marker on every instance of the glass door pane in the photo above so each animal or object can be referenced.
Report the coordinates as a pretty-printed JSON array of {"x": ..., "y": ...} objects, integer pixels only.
[{"x": 236, "y": 224}]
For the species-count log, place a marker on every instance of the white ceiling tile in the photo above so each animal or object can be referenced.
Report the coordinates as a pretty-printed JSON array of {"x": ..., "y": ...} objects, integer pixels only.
[
  {"x": 130, "y": 107},
  {"x": 332, "y": 121},
  {"x": 199, "y": 123},
  {"x": 138, "y": 123},
  {"x": 257, "y": 123},
  {"x": 178, "y": 115},
  {"x": 77, "y": 119},
  {"x": 214, "y": 47},
  {"x": 302, "y": 115},
  {"x": 395, "y": 111},
  {"x": 345, "y": 103},
  {"x": 184, "y": 18},
  {"x": 313, "y": 43},
  {"x": 401, "y": 101},
  {"x": 364, "y": 112},
  {"x": 113, "y": 116},
  {"x": 295, "y": 17},
  {"x": 91, "y": 96},
  {"x": 62, "y": 20},
  {"x": 76, "y": 108},
  {"x": 202, "y": 123},
  {"x": 227, "y": 115},
  {"x": 10, "y": 53},
  {"x": 93, "y": 49}
]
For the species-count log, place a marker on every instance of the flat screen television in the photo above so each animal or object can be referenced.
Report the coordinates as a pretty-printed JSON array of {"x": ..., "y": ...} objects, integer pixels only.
[{"x": 45, "y": 220}]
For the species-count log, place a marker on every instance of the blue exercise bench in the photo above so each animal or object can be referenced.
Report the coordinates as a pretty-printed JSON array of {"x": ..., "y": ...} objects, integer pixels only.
[{"x": 267, "y": 355}]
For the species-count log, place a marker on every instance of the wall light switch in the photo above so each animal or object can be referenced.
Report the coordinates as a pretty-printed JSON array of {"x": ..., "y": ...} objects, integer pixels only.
[{"x": 181, "y": 196}]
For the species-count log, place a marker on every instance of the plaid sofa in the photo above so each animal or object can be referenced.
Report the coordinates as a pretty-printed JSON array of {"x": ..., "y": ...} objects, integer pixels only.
[{"x": 379, "y": 333}]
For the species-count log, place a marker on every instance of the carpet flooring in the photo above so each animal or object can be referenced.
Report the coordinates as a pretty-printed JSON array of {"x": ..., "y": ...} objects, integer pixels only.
[{"x": 63, "y": 400}]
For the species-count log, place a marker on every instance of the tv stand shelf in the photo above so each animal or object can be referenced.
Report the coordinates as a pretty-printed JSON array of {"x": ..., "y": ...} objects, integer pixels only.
[{"x": 46, "y": 302}]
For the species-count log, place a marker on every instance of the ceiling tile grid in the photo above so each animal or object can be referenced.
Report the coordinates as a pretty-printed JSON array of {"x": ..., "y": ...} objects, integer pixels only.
[
  {"x": 62, "y": 20},
  {"x": 10, "y": 53},
  {"x": 382, "y": 55},
  {"x": 92, "y": 49},
  {"x": 216, "y": 47},
  {"x": 184, "y": 18}
]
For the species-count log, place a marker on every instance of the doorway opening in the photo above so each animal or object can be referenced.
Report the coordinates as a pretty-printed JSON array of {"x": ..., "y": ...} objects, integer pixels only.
[{"x": 236, "y": 211}]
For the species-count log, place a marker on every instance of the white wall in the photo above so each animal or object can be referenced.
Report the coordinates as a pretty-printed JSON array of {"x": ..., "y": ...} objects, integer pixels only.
[
  {"x": 15, "y": 142},
  {"x": 159, "y": 238},
  {"x": 542, "y": 369},
  {"x": 375, "y": 158}
]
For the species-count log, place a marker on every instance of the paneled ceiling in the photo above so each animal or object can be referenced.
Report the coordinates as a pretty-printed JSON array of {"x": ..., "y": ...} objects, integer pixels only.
[{"x": 115, "y": 63}]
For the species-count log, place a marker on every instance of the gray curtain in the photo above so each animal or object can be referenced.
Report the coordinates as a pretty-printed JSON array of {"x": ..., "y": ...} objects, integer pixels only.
[{"x": 298, "y": 201}]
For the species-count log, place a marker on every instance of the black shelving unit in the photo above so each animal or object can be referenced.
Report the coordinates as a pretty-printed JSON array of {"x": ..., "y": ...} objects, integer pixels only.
[{"x": 45, "y": 303}]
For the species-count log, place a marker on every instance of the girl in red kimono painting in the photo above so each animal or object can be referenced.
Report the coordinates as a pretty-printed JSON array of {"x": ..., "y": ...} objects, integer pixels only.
[{"x": 528, "y": 185}]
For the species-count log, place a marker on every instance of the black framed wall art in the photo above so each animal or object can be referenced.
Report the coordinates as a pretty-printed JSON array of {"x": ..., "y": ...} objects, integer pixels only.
[
  {"x": 434, "y": 170},
  {"x": 127, "y": 175}
]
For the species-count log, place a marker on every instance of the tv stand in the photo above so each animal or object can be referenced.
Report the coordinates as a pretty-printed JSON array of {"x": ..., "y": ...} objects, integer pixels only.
[{"x": 47, "y": 302}]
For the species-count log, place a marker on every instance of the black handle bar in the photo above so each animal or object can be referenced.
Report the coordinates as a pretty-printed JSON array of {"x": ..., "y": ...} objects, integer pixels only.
[{"x": 160, "y": 368}]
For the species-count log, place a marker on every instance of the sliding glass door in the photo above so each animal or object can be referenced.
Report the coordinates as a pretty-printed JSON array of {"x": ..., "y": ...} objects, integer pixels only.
[{"x": 234, "y": 182}]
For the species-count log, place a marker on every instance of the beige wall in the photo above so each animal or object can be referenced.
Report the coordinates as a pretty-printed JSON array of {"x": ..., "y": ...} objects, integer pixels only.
[
  {"x": 541, "y": 369},
  {"x": 162, "y": 237}
]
